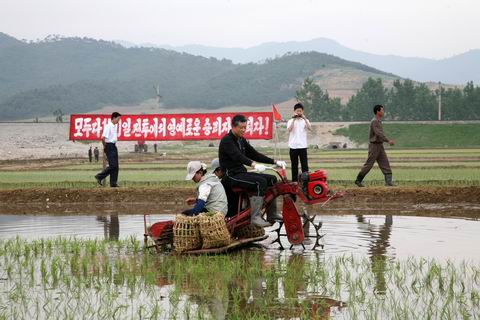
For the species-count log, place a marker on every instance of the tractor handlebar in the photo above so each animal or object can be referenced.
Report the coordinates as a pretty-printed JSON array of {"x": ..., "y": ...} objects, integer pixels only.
[{"x": 280, "y": 171}]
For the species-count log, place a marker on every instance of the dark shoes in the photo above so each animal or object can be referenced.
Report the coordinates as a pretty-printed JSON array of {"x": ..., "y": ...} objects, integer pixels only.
[
  {"x": 359, "y": 184},
  {"x": 99, "y": 181},
  {"x": 388, "y": 181},
  {"x": 359, "y": 180}
]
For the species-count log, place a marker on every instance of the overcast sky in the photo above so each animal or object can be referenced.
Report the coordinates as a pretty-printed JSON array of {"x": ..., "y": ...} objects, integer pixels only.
[{"x": 420, "y": 28}]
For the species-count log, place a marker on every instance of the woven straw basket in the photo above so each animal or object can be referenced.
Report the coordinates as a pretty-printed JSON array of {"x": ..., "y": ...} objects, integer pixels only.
[
  {"x": 186, "y": 233},
  {"x": 213, "y": 230}
]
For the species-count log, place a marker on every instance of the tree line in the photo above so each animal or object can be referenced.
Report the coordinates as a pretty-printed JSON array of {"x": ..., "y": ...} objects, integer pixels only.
[
  {"x": 81, "y": 75},
  {"x": 405, "y": 100}
]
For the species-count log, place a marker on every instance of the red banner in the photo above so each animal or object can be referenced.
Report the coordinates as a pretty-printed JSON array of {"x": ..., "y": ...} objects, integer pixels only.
[{"x": 163, "y": 127}]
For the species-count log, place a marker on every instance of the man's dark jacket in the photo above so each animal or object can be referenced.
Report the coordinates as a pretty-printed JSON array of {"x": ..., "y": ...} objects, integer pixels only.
[{"x": 235, "y": 152}]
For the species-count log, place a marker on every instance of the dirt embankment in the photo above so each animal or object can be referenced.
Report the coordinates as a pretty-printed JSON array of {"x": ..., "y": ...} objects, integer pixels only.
[{"x": 432, "y": 201}]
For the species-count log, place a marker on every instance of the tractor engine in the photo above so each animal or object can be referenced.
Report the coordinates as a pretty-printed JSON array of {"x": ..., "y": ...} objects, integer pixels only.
[{"x": 314, "y": 184}]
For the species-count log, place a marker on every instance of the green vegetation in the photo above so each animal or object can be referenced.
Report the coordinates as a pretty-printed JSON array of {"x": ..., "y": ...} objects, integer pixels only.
[
  {"x": 406, "y": 101},
  {"x": 72, "y": 278},
  {"x": 411, "y": 167},
  {"x": 79, "y": 75},
  {"x": 418, "y": 136},
  {"x": 318, "y": 104}
]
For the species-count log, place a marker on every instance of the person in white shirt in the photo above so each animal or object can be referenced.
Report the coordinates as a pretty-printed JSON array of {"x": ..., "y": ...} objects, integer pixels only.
[
  {"x": 109, "y": 138},
  {"x": 297, "y": 140}
]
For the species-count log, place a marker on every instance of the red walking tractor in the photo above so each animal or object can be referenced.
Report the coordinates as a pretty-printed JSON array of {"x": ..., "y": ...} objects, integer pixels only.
[{"x": 312, "y": 188}]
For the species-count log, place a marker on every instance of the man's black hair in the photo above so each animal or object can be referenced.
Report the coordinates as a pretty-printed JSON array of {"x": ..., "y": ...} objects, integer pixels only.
[
  {"x": 377, "y": 108},
  {"x": 203, "y": 171},
  {"x": 237, "y": 119},
  {"x": 298, "y": 106},
  {"x": 116, "y": 114}
]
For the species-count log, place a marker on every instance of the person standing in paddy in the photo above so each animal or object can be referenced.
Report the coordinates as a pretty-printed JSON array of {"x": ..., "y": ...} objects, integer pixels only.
[
  {"x": 376, "y": 151},
  {"x": 297, "y": 140},
  {"x": 109, "y": 138}
]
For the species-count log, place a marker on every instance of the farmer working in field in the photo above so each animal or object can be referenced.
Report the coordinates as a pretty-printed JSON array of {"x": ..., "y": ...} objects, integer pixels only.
[
  {"x": 109, "y": 138},
  {"x": 235, "y": 153},
  {"x": 210, "y": 193},
  {"x": 376, "y": 151},
  {"x": 232, "y": 197}
]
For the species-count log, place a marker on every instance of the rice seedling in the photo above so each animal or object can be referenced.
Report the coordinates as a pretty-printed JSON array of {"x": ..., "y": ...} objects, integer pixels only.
[
  {"x": 72, "y": 278},
  {"x": 411, "y": 167}
]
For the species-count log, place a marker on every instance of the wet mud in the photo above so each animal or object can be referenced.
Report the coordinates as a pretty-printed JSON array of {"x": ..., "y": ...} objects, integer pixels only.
[{"x": 431, "y": 201}]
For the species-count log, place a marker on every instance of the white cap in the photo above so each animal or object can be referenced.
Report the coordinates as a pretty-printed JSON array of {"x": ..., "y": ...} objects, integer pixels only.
[
  {"x": 193, "y": 167},
  {"x": 215, "y": 164}
]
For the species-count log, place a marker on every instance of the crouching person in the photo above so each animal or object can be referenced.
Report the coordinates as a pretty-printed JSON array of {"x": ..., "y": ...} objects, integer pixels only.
[
  {"x": 232, "y": 197},
  {"x": 210, "y": 193}
]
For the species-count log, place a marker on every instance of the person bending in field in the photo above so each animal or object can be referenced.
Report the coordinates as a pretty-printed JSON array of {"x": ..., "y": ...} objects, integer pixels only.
[
  {"x": 211, "y": 196},
  {"x": 232, "y": 197}
]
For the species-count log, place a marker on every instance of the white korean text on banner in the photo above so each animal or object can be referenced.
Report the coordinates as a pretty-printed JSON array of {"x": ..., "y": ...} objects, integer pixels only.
[{"x": 158, "y": 127}]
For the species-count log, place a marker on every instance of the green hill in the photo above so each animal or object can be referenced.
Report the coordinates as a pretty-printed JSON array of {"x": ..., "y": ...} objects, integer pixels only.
[{"x": 81, "y": 75}]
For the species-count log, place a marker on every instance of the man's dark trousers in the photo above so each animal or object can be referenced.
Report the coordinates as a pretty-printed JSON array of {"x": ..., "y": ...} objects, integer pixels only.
[
  {"x": 294, "y": 155},
  {"x": 376, "y": 152},
  {"x": 253, "y": 182},
  {"x": 112, "y": 169}
]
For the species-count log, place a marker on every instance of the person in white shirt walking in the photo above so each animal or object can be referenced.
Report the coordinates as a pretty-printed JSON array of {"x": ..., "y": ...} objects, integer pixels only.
[
  {"x": 297, "y": 140},
  {"x": 109, "y": 138}
]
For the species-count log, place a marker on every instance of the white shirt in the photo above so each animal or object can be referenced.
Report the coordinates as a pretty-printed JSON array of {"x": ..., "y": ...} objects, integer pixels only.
[
  {"x": 110, "y": 132},
  {"x": 297, "y": 138}
]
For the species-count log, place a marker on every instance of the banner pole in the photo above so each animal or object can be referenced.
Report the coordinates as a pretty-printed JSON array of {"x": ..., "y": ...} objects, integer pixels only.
[{"x": 275, "y": 142}]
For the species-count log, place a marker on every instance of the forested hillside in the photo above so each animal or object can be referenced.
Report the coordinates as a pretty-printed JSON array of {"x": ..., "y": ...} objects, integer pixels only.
[{"x": 80, "y": 75}]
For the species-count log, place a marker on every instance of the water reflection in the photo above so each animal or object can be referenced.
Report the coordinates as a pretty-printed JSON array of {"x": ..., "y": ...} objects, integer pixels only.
[
  {"x": 379, "y": 243},
  {"x": 369, "y": 235},
  {"x": 111, "y": 227},
  {"x": 278, "y": 286}
]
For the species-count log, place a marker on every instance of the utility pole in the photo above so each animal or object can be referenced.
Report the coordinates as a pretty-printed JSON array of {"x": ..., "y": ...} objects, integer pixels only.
[
  {"x": 157, "y": 91},
  {"x": 439, "y": 101}
]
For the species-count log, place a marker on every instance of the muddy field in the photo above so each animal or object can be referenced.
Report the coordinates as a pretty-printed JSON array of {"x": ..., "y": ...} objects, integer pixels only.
[{"x": 431, "y": 201}]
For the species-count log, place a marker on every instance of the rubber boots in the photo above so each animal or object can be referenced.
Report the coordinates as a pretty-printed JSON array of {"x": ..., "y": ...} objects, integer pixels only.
[
  {"x": 272, "y": 214},
  {"x": 256, "y": 216},
  {"x": 359, "y": 180},
  {"x": 388, "y": 180}
]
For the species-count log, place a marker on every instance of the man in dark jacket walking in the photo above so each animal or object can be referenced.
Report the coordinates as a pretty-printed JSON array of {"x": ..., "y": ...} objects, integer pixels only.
[
  {"x": 376, "y": 151},
  {"x": 234, "y": 153}
]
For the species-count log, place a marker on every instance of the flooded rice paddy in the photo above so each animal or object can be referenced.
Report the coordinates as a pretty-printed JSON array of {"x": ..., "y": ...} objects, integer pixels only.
[
  {"x": 370, "y": 267},
  {"x": 372, "y": 235}
]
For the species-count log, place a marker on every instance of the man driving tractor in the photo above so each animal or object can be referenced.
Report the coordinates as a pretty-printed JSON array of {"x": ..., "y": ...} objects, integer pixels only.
[{"x": 235, "y": 153}]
